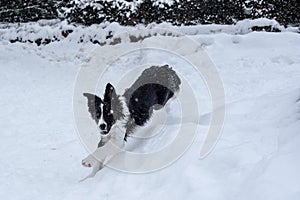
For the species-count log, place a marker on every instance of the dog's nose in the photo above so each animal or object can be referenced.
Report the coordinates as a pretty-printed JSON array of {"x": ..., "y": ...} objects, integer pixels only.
[{"x": 102, "y": 126}]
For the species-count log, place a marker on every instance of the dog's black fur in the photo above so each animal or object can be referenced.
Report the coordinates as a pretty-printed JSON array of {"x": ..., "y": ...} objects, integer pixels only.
[{"x": 151, "y": 91}]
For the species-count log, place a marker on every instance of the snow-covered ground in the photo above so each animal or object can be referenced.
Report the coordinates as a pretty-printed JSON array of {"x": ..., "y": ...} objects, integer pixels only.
[{"x": 257, "y": 156}]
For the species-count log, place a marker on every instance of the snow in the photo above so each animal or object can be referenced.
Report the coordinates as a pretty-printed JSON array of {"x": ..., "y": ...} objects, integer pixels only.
[
  {"x": 257, "y": 156},
  {"x": 106, "y": 33}
]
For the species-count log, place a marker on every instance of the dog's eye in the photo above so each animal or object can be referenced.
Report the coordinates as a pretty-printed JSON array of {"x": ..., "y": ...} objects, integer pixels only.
[{"x": 97, "y": 115}]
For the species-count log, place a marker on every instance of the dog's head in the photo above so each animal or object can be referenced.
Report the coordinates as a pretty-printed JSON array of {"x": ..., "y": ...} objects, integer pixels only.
[{"x": 102, "y": 110}]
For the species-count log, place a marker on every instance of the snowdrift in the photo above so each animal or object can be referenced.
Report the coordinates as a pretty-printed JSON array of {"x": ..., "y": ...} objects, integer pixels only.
[{"x": 257, "y": 156}]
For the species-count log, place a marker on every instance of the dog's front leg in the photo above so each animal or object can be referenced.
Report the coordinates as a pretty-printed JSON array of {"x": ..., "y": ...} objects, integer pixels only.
[
  {"x": 91, "y": 161},
  {"x": 97, "y": 158},
  {"x": 107, "y": 147}
]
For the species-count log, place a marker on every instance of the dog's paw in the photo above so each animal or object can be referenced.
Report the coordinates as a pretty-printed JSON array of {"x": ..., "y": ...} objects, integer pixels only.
[{"x": 89, "y": 161}]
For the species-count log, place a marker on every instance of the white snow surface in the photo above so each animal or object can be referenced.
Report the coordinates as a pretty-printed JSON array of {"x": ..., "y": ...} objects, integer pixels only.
[
  {"x": 53, "y": 30},
  {"x": 257, "y": 156}
]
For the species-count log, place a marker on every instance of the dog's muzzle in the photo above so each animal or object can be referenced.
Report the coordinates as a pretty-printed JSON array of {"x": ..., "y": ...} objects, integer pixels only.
[{"x": 104, "y": 132}]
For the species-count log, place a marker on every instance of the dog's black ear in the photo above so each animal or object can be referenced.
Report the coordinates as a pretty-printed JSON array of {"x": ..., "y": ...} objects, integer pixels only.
[
  {"x": 110, "y": 93},
  {"x": 94, "y": 103}
]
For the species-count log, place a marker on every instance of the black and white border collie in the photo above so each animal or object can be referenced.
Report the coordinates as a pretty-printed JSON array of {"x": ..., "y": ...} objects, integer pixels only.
[{"x": 117, "y": 116}]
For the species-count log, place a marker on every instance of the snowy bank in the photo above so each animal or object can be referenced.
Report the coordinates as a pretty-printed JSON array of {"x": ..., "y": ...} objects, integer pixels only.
[
  {"x": 257, "y": 156},
  {"x": 46, "y": 31}
]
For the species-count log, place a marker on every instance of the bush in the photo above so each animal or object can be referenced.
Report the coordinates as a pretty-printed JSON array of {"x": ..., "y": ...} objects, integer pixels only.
[
  {"x": 27, "y": 10},
  {"x": 180, "y": 12}
]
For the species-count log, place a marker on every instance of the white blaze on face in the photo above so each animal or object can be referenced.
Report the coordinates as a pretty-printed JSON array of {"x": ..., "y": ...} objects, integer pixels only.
[{"x": 101, "y": 120}]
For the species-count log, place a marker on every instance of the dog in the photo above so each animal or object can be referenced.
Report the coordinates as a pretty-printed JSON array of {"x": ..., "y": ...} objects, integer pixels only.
[{"x": 118, "y": 116}]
